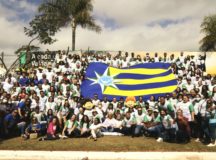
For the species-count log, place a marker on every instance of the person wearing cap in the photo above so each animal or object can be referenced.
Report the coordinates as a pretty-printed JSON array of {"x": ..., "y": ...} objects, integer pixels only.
[
  {"x": 49, "y": 72},
  {"x": 148, "y": 118},
  {"x": 168, "y": 131},
  {"x": 40, "y": 72},
  {"x": 129, "y": 124},
  {"x": 155, "y": 127},
  {"x": 96, "y": 115},
  {"x": 139, "y": 116}
]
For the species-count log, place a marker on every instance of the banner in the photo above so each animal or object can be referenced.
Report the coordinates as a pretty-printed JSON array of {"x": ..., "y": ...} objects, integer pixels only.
[{"x": 139, "y": 80}]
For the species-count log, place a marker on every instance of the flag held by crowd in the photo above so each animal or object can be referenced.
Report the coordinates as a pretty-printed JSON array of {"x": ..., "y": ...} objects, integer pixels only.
[{"x": 139, "y": 80}]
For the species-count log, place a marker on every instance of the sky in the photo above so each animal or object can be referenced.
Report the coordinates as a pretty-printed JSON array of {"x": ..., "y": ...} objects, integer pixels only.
[{"x": 128, "y": 25}]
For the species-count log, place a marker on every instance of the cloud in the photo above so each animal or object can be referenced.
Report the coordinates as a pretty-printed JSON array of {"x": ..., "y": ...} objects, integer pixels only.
[
  {"x": 175, "y": 37},
  {"x": 147, "y": 25},
  {"x": 144, "y": 11}
]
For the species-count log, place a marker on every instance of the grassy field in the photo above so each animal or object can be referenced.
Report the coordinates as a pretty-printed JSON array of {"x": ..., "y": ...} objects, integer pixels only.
[{"x": 106, "y": 143}]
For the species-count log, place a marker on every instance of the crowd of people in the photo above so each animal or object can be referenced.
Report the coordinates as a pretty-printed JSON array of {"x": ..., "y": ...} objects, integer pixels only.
[{"x": 45, "y": 102}]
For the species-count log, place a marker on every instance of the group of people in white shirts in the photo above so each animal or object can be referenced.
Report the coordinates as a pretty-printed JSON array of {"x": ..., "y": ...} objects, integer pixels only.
[{"x": 53, "y": 92}]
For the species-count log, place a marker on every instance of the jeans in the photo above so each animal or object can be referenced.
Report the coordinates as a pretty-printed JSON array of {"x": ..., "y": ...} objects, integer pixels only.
[
  {"x": 21, "y": 127},
  {"x": 108, "y": 129},
  {"x": 128, "y": 130},
  {"x": 50, "y": 137},
  {"x": 169, "y": 134},
  {"x": 138, "y": 130},
  {"x": 156, "y": 130},
  {"x": 212, "y": 132},
  {"x": 182, "y": 137}
]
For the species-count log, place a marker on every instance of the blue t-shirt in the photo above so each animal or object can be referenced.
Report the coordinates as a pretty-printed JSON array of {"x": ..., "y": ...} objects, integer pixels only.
[
  {"x": 11, "y": 121},
  {"x": 21, "y": 105},
  {"x": 23, "y": 81},
  {"x": 34, "y": 126}
]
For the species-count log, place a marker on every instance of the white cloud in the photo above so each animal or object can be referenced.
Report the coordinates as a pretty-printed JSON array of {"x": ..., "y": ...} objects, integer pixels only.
[
  {"x": 175, "y": 37},
  {"x": 134, "y": 32}
]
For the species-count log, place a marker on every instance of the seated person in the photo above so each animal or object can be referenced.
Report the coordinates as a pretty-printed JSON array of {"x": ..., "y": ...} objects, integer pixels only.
[
  {"x": 118, "y": 123},
  {"x": 108, "y": 124},
  {"x": 13, "y": 126},
  {"x": 40, "y": 116},
  {"x": 169, "y": 128},
  {"x": 84, "y": 126},
  {"x": 96, "y": 129},
  {"x": 71, "y": 127},
  {"x": 129, "y": 124},
  {"x": 52, "y": 130},
  {"x": 139, "y": 115},
  {"x": 33, "y": 127},
  {"x": 154, "y": 126}
]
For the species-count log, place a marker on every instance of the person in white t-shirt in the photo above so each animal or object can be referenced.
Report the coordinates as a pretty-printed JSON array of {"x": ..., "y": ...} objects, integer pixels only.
[
  {"x": 7, "y": 85},
  {"x": 96, "y": 129},
  {"x": 139, "y": 116},
  {"x": 95, "y": 100},
  {"x": 109, "y": 123}
]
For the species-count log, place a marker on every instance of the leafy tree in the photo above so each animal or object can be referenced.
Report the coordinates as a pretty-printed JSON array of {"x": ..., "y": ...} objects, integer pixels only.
[
  {"x": 208, "y": 27},
  {"x": 55, "y": 14}
]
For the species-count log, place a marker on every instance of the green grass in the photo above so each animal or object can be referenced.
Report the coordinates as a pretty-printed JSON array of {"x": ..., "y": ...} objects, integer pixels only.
[{"x": 106, "y": 143}]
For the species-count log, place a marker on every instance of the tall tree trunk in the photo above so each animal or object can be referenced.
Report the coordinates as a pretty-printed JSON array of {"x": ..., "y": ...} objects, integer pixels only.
[
  {"x": 73, "y": 37},
  {"x": 73, "y": 25}
]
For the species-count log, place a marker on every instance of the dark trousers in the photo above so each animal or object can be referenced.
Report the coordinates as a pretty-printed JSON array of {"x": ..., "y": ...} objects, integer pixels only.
[
  {"x": 198, "y": 130},
  {"x": 128, "y": 131},
  {"x": 75, "y": 133},
  {"x": 182, "y": 137},
  {"x": 50, "y": 137}
]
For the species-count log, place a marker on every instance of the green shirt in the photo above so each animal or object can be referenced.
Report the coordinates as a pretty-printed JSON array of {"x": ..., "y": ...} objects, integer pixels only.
[{"x": 70, "y": 124}]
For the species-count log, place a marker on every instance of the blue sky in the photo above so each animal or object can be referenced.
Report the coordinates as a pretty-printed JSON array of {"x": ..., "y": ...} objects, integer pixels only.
[{"x": 149, "y": 25}]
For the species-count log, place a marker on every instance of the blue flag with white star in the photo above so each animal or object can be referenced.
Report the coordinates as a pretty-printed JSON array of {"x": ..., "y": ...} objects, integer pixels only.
[{"x": 144, "y": 80}]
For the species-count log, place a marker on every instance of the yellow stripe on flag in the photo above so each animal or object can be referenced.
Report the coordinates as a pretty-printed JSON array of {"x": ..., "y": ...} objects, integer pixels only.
[
  {"x": 147, "y": 71},
  {"x": 117, "y": 92},
  {"x": 145, "y": 81}
]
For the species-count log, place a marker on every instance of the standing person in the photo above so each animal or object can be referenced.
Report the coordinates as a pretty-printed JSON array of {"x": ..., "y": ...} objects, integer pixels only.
[
  {"x": 52, "y": 130},
  {"x": 164, "y": 104},
  {"x": 188, "y": 111},
  {"x": 183, "y": 133},
  {"x": 211, "y": 116}
]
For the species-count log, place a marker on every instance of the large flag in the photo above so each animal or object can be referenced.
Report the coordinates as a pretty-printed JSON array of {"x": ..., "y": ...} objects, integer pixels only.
[{"x": 143, "y": 80}]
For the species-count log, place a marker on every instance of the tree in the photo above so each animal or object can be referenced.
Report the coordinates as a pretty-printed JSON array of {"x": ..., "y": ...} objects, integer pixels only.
[
  {"x": 55, "y": 14},
  {"x": 208, "y": 27}
]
